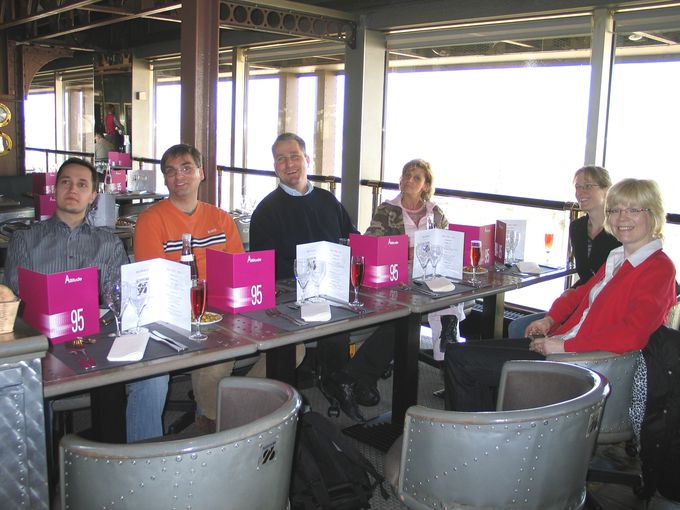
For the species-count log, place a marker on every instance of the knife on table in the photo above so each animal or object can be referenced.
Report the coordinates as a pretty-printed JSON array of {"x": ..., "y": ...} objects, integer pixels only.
[{"x": 160, "y": 337}]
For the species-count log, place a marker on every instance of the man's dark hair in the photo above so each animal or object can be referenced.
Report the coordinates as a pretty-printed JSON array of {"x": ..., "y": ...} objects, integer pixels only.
[
  {"x": 289, "y": 136},
  {"x": 86, "y": 164},
  {"x": 179, "y": 150}
]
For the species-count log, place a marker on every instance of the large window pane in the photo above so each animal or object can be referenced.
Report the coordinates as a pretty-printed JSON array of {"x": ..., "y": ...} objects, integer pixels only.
[
  {"x": 38, "y": 111},
  {"x": 505, "y": 117},
  {"x": 644, "y": 107}
]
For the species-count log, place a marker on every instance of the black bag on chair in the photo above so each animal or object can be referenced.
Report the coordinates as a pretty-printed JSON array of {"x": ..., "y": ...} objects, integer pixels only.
[
  {"x": 328, "y": 471},
  {"x": 660, "y": 434}
]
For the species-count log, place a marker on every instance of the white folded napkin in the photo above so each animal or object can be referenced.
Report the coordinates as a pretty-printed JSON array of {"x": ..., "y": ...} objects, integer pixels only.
[
  {"x": 529, "y": 267},
  {"x": 128, "y": 347},
  {"x": 440, "y": 284},
  {"x": 315, "y": 312}
]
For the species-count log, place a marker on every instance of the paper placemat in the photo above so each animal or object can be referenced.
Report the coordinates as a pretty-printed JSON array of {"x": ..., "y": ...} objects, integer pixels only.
[
  {"x": 337, "y": 314},
  {"x": 99, "y": 350},
  {"x": 421, "y": 288}
]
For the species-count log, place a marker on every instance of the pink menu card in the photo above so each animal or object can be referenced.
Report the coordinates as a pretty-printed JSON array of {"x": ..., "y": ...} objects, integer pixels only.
[
  {"x": 238, "y": 282},
  {"x": 63, "y": 305},
  {"x": 385, "y": 259}
]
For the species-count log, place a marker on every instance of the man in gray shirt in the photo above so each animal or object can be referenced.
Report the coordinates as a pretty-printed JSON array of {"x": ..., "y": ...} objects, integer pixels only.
[{"x": 67, "y": 241}]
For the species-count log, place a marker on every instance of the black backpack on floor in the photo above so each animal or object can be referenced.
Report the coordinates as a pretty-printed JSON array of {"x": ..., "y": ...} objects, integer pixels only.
[{"x": 328, "y": 471}]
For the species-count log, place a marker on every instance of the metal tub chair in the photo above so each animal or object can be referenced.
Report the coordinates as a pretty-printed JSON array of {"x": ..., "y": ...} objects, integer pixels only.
[
  {"x": 616, "y": 426},
  {"x": 531, "y": 453},
  {"x": 245, "y": 464}
]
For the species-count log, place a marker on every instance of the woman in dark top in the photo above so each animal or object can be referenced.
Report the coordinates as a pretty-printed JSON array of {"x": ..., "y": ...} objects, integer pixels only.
[{"x": 590, "y": 242}]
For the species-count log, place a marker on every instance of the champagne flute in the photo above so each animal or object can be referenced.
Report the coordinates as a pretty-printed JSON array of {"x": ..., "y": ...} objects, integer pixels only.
[
  {"x": 423, "y": 253},
  {"x": 435, "y": 256},
  {"x": 198, "y": 296},
  {"x": 139, "y": 298},
  {"x": 356, "y": 277},
  {"x": 475, "y": 255},
  {"x": 302, "y": 276},
  {"x": 548, "y": 239},
  {"x": 318, "y": 270},
  {"x": 112, "y": 298},
  {"x": 511, "y": 242}
]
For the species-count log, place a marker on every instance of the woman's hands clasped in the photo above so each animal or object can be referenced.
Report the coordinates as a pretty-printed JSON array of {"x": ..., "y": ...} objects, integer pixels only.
[{"x": 541, "y": 342}]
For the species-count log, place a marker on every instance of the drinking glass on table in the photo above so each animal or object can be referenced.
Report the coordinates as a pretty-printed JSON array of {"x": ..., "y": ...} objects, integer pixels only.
[
  {"x": 512, "y": 238},
  {"x": 548, "y": 239},
  {"x": 475, "y": 255},
  {"x": 302, "y": 276},
  {"x": 436, "y": 253},
  {"x": 139, "y": 297},
  {"x": 198, "y": 296},
  {"x": 423, "y": 254},
  {"x": 318, "y": 271},
  {"x": 356, "y": 277},
  {"x": 112, "y": 297}
]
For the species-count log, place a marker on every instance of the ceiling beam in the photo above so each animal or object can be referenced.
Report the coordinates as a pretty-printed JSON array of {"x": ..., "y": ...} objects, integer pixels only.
[
  {"x": 68, "y": 6},
  {"x": 111, "y": 21}
]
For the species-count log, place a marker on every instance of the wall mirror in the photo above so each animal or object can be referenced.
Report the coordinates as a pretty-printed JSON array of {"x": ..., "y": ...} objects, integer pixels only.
[
  {"x": 6, "y": 144},
  {"x": 5, "y": 115},
  {"x": 113, "y": 100}
]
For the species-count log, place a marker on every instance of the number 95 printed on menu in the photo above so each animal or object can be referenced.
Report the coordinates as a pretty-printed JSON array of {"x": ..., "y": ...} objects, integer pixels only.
[
  {"x": 238, "y": 282},
  {"x": 62, "y": 306}
]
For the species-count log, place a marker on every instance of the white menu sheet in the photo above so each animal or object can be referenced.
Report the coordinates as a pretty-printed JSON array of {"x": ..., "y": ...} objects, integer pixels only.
[
  {"x": 335, "y": 282},
  {"x": 167, "y": 285},
  {"x": 452, "y": 260}
]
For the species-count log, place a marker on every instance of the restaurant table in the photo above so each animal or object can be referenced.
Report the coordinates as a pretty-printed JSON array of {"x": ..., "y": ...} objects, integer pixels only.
[
  {"x": 62, "y": 375},
  {"x": 381, "y": 431},
  {"x": 134, "y": 202}
]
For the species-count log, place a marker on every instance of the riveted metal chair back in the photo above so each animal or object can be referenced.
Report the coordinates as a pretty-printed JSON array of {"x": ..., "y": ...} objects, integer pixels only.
[
  {"x": 245, "y": 464},
  {"x": 529, "y": 457},
  {"x": 619, "y": 369}
]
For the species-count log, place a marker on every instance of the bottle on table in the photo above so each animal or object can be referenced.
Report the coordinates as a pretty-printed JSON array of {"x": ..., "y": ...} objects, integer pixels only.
[{"x": 187, "y": 256}]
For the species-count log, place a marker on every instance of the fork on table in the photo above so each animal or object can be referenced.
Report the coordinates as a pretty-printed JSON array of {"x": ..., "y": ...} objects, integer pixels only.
[{"x": 274, "y": 312}]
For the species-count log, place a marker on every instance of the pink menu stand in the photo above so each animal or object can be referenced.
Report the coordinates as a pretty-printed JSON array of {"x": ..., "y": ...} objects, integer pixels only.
[
  {"x": 501, "y": 229},
  {"x": 238, "y": 282},
  {"x": 45, "y": 206},
  {"x": 44, "y": 183},
  {"x": 486, "y": 234},
  {"x": 385, "y": 259},
  {"x": 63, "y": 305}
]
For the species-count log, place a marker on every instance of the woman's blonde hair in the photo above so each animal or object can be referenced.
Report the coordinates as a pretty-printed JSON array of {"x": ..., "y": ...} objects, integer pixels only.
[
  {"x": 643, "y": 193},
  {"x": 597, "y": 173},
  {"x": 428, "y": 190}
]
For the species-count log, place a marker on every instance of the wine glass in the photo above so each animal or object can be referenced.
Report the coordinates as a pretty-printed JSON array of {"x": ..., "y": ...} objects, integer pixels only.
[
  {"x": 429, "y": 222},
  {"x": 435, "y": 256},
  {"x": 548, "y": 239},
  {"x": 356, "y": 277},
  {"x": 512, "y": 238},
  {"x": 198, "y": 296},
  {"x": 318, "y": 270},
  {"x": 139, "y": 297},
  {"x": 112, "y": 297},
  {"x": 423, "y": 253},
  {"x": 302, "y": 276},
  {"x": 475, "y": 255}
]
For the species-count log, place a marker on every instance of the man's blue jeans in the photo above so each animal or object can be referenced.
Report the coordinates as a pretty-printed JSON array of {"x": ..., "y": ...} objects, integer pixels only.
[{"x": 145, "y": 403}]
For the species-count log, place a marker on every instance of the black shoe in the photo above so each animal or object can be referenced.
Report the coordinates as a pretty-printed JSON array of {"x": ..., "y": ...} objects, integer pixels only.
[
  {"x": 366, "y": 394},
  {"x": 339, "y": 387},
  {"x": 449, "y": 334}
]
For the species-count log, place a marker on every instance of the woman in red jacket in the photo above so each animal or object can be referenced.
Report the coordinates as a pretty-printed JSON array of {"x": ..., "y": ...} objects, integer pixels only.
[{"x": 616, "y": 310}]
